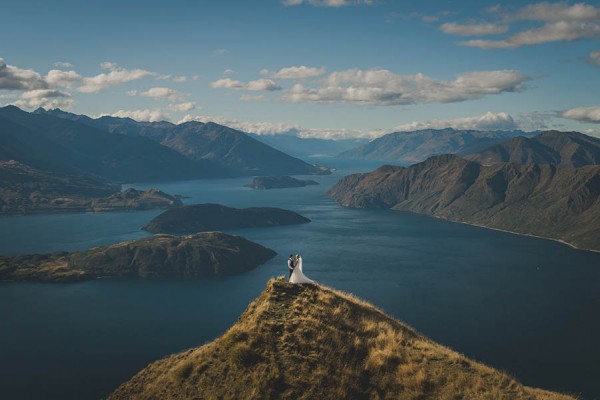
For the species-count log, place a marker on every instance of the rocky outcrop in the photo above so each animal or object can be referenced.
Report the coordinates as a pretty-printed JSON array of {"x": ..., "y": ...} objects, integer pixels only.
[
  {"x": 278, "y": 182},
  {"x": 208, "y": 217},
  {"x": 200, "y": 255},
  {"x": 538, "y": 199}
]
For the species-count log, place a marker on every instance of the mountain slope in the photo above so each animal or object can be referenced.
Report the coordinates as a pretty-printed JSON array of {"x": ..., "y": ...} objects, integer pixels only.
[
  {"x": 543, "y": 200},
  {"x": 60, "y": 145},
  {"x": 160, "y": 256},
  {"x": 416, "y": 146},
  {"x": 312, "y": 342},
  {"x": 558, "y": 148},
  {"x": 230, "y": 149},
  {"x": 309, "y": 147}
]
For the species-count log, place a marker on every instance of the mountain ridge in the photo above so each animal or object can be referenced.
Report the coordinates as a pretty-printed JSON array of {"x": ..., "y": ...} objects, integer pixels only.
[{"x": 313, "y": 342}]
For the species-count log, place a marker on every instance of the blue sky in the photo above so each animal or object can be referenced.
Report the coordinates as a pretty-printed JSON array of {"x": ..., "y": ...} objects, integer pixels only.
[{"x": 324, "y": 68}]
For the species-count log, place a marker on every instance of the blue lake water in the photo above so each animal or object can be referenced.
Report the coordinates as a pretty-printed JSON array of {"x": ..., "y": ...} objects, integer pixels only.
[{"x": 525, "y": 305}]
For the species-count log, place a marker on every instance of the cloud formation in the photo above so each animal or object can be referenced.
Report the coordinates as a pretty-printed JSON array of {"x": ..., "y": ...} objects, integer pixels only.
[
  {"x": 14, "y": 78},
  {"x": 116, "y": 76},
  {"x": 299, "y": 72},
  {"x": 146, "y": 115},
  {"x": 473, "y": 29},
  {"x": 63, "y": 64},
  {"x": 187, "y": 106},
  {"x": 583, "y": 114},
  {"x": 160, "y": 93},
  {"x": 487, "y": 122},
  {"x": 594, "y": 58},
  {"x": 559, "y": 22},
  {"x": 383, "y": 87},
  {"x": 46, "y": 98},
  {"x": 327, "y": 3},
  {"x": 60, "y": 78},
  {"x": 257, "y": 85}
]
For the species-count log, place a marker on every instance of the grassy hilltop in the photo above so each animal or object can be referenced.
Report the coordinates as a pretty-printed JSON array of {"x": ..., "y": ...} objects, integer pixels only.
[{"x": 313, "y": 342}]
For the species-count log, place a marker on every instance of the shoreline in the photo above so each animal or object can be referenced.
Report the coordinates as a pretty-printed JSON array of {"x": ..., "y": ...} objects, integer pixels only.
[{"x": 512, "y": 232}]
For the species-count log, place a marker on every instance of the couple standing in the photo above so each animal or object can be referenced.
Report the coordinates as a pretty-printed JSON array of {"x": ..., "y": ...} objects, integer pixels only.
[{"x": 295, "y": 267}]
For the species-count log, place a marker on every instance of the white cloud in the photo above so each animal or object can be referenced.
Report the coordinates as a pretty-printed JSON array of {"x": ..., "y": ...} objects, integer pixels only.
[
  {"x": 63, "y": 64},
  {"x": 299, "y": 72},
  {"x": 383, "y": 87},
  {"x": 487, "y": 122},
  {"x": 594, "y": 58},
  {"x": 327, "y": 3},
  {"x": 473, "y": 29},
  {"x": 140, "y": 115},
  {"x": 160, "y": 93},
  {"x": 187, "y": 106},
  {"x": 257, "y": 85},
  {"x": 116, "y": 76},
  {"x": 56, "y": 77},
  {"x": 559, "y": 22},
  {"x": 14, "y": 78},
  {"x": 171, "y": 77},
  {"x": 228, "y": 72},
  {"x": 583, "y": 114},
  {"x": 47, "y": 98}
]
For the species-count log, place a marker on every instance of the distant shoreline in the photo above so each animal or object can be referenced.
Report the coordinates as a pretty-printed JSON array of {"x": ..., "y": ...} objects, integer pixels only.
[{"x": 514, "y": 233}]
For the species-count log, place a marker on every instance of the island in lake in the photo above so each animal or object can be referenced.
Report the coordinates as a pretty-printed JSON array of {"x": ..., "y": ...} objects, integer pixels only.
[
  {"x": 208, "y": 217},
  {"x": 200, "y": 255},
  {"x": 278, "y": 182},
  {"x": 313, "y": 342},
  {"x": 27, "y": 190}
]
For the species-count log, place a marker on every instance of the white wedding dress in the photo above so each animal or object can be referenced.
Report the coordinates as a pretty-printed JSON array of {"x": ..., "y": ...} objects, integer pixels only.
[{"x": 298, "y": 276}]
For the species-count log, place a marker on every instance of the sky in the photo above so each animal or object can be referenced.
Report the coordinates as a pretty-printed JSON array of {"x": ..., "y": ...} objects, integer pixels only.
[{"x": 313, "y": 68}]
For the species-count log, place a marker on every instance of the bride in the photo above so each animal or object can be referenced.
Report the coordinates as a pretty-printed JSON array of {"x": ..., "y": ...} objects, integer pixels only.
[{"x": 298, "y": 276}]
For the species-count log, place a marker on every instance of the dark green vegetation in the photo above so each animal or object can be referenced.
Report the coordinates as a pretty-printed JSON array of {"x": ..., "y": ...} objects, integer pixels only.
[
  {"x": 411, "y": 147},
  {"x": 557, "y": 148},
  {"x": 208, "y": 217},
  {"x": 26, "y": 190},
  {"x": 215, "y": 150},
  {"x": 312, "y": 342},
  {"x": 278, "y": 182},
  {"x": 550, "y": 201},
  {"x": 161, "y": 256}
]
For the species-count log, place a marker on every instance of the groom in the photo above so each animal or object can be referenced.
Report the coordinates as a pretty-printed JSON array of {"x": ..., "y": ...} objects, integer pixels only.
[{"x": 291, "y": 266}]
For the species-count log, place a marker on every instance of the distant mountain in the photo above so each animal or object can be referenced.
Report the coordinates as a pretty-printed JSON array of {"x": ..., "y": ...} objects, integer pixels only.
[
  {"x": 556, "y": 202},
  {"x": 26, "y": 190},
  {"x": 558, "y": 148},
  {"x": 230, "y": 149},
  {"x": 70, "y": 147},
  {"x": 211, "y": 217},
  {"x": 309, "y": 147},
  {"x": 301, "y": 342},
  {"x": 411, "y": 147},
  {"x": 161, "y": 256}
]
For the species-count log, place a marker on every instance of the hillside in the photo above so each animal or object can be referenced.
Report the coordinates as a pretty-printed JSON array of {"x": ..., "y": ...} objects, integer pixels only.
[
  {"x": 161, "y": 256},
  {"x": 312, "y": 342},
  {"x": 208, "y": 217},
  {"x": 558, "y": 148},
  {"x": 26, "y": 190},
  {"x": 415, "y": 146},
  {"x": 69, "y": 147},
  {"x": 235, "y": 152},
  {"x": 543, "y": 200}
]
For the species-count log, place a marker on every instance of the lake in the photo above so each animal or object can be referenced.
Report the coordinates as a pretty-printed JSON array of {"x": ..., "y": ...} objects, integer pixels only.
[{"x": 525, "y": 305}]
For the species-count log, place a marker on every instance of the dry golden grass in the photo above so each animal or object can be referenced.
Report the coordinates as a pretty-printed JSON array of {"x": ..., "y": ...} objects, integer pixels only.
[{"x": 312, "y": 342}]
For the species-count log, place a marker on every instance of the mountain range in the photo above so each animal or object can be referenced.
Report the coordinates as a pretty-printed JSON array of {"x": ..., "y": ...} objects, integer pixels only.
[
  {"x": 415, "y": 146},
  {"x": 559, "y": 202},
  {"x": 552, "y": 147},
  {"x": 312, "y": 342},
  {"x": 227, "y": 151}
]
